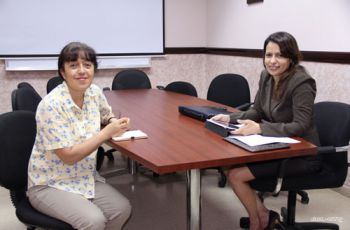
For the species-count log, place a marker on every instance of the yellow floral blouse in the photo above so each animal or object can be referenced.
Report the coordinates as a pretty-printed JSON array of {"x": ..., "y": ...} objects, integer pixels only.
[{"x": 60, "y": 124}]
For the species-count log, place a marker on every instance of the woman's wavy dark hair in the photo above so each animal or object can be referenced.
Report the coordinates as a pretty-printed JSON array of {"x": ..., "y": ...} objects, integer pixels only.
[
  {"x": 288, "y": 47},
  {"x": 74, "y": 50}
]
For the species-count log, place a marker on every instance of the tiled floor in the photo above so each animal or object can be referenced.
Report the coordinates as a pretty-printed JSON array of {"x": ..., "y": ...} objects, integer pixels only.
[{"x": 160, "y": 203}]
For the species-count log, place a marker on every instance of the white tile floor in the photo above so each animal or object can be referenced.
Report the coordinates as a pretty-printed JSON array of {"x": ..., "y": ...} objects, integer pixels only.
[{"x": 160, "y": 203}]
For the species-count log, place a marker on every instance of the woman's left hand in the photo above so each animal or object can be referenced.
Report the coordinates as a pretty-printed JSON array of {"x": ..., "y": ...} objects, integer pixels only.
[{"x": 248, "y": 127}]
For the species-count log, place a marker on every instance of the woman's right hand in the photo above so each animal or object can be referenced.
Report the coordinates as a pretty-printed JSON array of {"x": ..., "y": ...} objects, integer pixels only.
[
  {"x": 221, "y": 117},
  {"x": 116, "y": 127}
]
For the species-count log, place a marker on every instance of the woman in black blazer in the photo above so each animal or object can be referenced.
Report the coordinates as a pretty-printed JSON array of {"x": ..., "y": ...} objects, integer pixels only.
[{"x": 283, "y": 106}]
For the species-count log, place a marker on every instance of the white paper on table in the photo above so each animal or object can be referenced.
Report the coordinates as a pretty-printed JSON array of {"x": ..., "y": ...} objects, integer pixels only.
[{"x": 256, "y": 139}]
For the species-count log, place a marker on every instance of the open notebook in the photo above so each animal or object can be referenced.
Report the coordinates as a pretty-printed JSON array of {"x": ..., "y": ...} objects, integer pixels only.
[{"x": 130, "y": 135}]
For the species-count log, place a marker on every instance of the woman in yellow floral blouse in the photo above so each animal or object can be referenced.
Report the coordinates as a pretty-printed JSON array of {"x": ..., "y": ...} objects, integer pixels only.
[{"x": 62, "y": 178}]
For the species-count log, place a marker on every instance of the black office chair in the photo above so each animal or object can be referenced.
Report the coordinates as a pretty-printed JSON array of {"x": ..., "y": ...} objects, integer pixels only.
[
  {"x": 131, "y": 79},
  {"x": 333, "y": 124},
  {"x": 230, "y": 89},
  {"x": 180, "y": 87},
  {"x": 128, "y": 79},
  {"x": 25, "y": 98},
  {"x": 17, "y": 134},
  {"x": 24, "y": 84},
  {"x": 52, "y": 83}
]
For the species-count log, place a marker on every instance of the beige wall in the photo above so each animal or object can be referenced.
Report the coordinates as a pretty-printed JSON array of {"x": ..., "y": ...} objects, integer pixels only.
[{"x": 333, "y": 80}]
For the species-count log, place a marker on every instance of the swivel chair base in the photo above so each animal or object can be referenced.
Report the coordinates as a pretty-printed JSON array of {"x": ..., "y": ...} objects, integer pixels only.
[{"x": 288, "y": 218}]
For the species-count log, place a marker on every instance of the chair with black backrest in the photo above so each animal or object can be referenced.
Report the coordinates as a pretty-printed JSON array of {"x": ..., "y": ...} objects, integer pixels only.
[
  {"x": 333, "y": 124},
  {"x": 232, "y": 90},
  {"x": 24, "y": 84},
  {"x": 52, "y": 83},
  {"x": 25, "y": 98},
  {"x": 180, "y": 87},
  {"x": 17, "y": 134},
  {"x": 131, "y": 79}
]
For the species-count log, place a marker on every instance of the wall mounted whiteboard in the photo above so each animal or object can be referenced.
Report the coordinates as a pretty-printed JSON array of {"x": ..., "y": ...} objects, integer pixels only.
[{"x": 35, "y": 28}]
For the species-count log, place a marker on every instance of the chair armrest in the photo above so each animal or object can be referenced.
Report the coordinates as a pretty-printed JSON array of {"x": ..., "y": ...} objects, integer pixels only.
[
  {"x": 331, "y": 149},
  {"x": 342, "y": 148},
  {"x": 325, "y": 149},
  {"x": 160, "y": 87},
  {"x": 244, "y": 106},
  {"x": 320, "y": 150}
]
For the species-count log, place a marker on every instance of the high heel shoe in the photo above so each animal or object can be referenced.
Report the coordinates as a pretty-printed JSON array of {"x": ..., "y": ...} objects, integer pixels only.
[{"x": 274, "y": 220}]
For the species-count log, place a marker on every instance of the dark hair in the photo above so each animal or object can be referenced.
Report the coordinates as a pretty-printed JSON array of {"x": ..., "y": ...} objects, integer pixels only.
[
  {"x": 74, "y": 50},
  {"x": 288, "y": 47}
]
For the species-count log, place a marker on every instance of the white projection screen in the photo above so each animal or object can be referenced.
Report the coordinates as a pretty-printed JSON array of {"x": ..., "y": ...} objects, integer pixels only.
[{"x": 37, "y": 28}]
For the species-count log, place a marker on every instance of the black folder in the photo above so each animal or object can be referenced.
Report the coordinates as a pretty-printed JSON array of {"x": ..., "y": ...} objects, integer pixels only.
[
  {"x": 202, "y": 113},
  {"x": 221, "y": 129}
]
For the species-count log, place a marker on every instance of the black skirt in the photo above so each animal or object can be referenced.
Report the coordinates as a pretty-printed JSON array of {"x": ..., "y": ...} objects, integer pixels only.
[{"x": 295, "y": 166}]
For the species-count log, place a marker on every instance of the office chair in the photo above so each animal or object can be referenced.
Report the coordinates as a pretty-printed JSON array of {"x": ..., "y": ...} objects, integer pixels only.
[
  {"x": 24, "y": 84},
  {"x": 25, "y": 98},
  {"x": 17, "y": 134},
  {"x": 131, "y": 79},
  {"x": 332, "y": 120},
  {"x": 52, "y": 83},
  {"x": 180, "y": 87},
  {"x": 231, "y": 90}
]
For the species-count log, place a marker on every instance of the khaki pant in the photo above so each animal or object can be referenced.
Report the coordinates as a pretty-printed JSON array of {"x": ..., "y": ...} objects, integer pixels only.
[{"x": 108, "y": 210}]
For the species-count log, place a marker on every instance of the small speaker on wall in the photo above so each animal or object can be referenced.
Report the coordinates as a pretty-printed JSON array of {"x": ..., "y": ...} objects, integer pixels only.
[{"x": 254, "y": 1}]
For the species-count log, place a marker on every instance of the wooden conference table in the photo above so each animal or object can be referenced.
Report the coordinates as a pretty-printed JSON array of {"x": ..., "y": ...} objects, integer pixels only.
[{"x": 179, "y": 143}]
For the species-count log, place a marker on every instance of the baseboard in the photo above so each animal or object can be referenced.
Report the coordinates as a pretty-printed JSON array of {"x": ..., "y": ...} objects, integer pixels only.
[{"x": 345, "y": 191}]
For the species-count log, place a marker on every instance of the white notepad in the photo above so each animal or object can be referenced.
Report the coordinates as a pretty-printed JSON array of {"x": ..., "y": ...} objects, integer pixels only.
[
  {"x": 130, "y": 135},
  {"x": 256, "y": 139}
]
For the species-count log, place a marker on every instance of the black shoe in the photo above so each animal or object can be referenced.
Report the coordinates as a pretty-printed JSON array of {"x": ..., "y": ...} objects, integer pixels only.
[{"x": 274, "y": 220}]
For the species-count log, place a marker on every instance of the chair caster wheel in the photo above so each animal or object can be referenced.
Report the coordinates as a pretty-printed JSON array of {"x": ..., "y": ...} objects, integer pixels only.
[
  {"x": 222, "y": 182},
  {"x": 304, "y": 200},
  {"x": 244, "y": 222}
]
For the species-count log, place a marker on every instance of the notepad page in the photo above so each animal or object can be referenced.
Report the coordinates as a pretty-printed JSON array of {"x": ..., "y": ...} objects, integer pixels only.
[
  {"x": 254, "y": 140},
  {"x": 131, "y": 134}
]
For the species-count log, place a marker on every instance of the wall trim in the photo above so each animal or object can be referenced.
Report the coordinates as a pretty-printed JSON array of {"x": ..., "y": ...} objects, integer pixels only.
[{"x": 314, "y": 56}]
